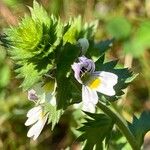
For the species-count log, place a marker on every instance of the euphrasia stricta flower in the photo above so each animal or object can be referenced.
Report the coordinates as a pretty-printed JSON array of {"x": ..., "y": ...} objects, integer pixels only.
[
  {"x": 36, "y": 116},
  {"x": 92, "y": 82}
]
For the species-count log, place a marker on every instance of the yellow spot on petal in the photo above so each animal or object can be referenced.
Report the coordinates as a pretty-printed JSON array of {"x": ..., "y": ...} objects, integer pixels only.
[
  {"x": 41, "y": 115},
  {"x": 94, "y": 84}
]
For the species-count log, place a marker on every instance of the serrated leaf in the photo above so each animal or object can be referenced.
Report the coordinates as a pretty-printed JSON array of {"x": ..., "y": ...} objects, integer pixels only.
[
  {"x": 100, "y": 48},
  {"x": 140, "y": 126},
  {"x": 39, "y": 14},
  {"x": 71, "y": 34},
  {"x": 30, "y": 75},
  {"x": 95, "y": 130},
  {"x": 54, "y": 114},
  {"x": 103, "y": 46}
]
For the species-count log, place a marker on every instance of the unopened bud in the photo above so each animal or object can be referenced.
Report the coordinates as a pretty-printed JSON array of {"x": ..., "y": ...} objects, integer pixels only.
[
  {"x": 32, "y": 95},
  {"x": 84, "y": 44}
]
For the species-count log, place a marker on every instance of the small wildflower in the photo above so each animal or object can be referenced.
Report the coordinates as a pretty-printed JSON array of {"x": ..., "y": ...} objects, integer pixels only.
[
  {"x": 92, "y": 82},
  {"x": 37, "y": 119},
  {"x": 36, "y": 116}
]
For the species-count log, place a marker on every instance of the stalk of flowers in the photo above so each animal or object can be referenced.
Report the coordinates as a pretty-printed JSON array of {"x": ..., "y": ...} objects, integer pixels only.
[
  {"x": 92, "y": 82},
  {"x": 36, "y": 116}
]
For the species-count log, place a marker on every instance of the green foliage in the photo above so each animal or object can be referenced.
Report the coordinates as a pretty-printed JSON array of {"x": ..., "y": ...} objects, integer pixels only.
[
  {"x": 39, "y": 14},
  {"x": 95, "y": 130},
  {"x": 37, "y": 40},
  {"x": 140, "y": 126},
  {"x": 53, "y": 114},
  {"x": 119, "y": 27},
  {"x": 65, "y": 93},
  {"x": 99, "y": 49}
]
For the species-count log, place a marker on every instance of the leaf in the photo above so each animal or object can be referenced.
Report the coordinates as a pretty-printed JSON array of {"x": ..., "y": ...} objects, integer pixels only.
[
  {"x": 95, "y": 130},
  {"x": 103, "y": 46},
  {"x": 100, "y": 48},
  {"x": 64, "y": 62},
  {"x": 71, "y": 34},
  {"x": 140, "y": 126},
  {"x": 118, "y": 27},
  {"x": 39, "y": 14},
  {"x": 31, "y": 74},
  {"x": 54, "y": 114}
]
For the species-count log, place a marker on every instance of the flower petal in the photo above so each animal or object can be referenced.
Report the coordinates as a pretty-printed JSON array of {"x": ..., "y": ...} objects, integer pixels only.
[
  {"x": 77, "y": 68},
  {"x": 89, "y": 95},
  {"x": 33, "y": 118},
  {"x": 33, "y": 111},
  {"x": 36, "y": 129},
  {"x": 111, "y": 78},
  {"x": 108, "y": 80},
  {"x": 88, "y": 107}
]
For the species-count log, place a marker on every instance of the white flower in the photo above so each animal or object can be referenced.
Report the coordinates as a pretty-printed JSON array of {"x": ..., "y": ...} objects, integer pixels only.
[
  {"x": 92, "y": 82},
  {"x": 37, "y": 119},
  {"x": 36, "y": 116}
]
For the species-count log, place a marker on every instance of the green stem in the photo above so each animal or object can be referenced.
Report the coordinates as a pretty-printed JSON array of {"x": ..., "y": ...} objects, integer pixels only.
[{"x": 122, "y": 125}]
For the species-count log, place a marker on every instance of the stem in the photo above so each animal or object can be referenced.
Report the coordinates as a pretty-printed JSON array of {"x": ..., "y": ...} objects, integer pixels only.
[{"x": 121, "y": 125}]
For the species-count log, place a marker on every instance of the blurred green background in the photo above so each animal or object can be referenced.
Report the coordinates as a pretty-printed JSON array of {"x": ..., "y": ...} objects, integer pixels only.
[{"x": 127, "y": 21}]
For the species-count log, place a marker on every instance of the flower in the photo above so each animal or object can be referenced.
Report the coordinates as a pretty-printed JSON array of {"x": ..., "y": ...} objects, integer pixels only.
[
  {"x": 92, "y": 82},
  {"x": 36, "y": 116},
  {"x": 37, "y": 119}
]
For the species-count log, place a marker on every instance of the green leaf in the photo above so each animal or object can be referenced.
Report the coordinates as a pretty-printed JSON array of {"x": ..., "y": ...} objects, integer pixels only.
[
  {"x": 100, "y": 48},
  {"x": 140, "y": 126},
  {"x": 118, "y": 27},
  {"x": 71, "y": 34},
  {"x": 103, "y": 46},
  {"x": 39, "y": 14},
  {"x": 95, "y": 131},
  {"x": 54, "y": 114},
  {"x": 31, "y": 74},
  {"x": 64, "y": 62}
]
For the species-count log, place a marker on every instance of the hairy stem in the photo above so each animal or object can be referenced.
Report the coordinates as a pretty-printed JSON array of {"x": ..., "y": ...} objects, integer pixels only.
[{"x": 122, "y": 125}]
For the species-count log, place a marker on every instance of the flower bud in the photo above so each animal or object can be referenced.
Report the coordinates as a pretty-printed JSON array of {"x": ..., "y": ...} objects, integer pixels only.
[
  {"x": 32, "y": 95},
  {"x": 84, "y": 44}
]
